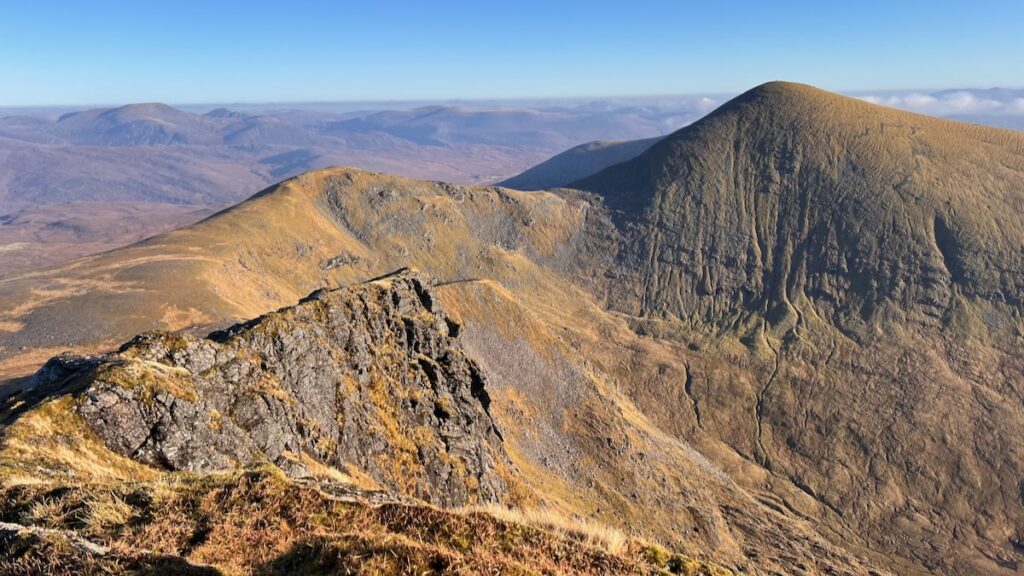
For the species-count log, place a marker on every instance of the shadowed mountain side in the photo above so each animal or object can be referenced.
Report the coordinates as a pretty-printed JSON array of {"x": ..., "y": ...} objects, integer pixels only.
[{"x": 577, "y": 163}]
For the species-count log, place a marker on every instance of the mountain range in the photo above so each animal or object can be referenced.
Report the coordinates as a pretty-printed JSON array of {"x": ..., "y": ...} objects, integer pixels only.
[
  {"x": 781, "y": 340},
  {"x": 102, "y": 164},
  {"x": 163, "y": 167}
]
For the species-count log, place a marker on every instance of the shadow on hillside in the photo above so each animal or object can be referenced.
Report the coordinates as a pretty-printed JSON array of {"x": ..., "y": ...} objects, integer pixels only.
[
  {"x": 153, "y": 566},
  {"x": 347, "y": 555},
  {"x": 12, "y": 386},
  {"x": 13, "y": 395},
  {"x": 62, "y": 375}
]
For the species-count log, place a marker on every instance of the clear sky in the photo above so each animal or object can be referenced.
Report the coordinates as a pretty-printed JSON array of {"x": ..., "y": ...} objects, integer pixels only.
[{"x": 186, "y": 51}]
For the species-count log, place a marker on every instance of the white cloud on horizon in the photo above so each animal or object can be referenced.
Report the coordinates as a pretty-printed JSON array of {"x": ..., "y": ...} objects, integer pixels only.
[
  {"x": 949, "y": 103},
  {"x": 706, "y": 104}
]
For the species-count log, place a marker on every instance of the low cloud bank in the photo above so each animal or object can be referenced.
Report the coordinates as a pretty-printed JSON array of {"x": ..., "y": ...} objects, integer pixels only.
[{"x": 995, "y": 101}]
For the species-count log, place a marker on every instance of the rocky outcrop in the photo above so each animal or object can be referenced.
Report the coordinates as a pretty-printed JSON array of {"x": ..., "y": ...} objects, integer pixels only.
[{"x": 371, "y": 376}]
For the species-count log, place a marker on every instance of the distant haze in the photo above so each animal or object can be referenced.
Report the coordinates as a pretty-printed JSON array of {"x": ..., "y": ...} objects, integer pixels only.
[{"x": 941, "y": 102}]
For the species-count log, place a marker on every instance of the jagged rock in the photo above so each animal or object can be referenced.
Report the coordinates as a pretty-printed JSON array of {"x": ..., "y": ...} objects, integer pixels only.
[
  {"x": 340, "y": 260},
  {"x": 370, "y": 376}
]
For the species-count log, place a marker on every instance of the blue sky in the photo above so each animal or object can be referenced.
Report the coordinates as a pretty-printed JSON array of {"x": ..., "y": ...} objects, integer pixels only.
[{"x": 184, "y": 51}]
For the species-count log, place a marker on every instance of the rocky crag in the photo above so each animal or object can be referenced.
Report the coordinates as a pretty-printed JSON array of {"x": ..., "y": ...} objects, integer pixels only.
[{"x": 370, "y": 379}]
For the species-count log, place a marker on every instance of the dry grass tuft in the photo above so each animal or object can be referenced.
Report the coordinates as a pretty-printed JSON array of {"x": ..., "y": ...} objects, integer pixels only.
[
  {"x": 48, "y": 512},
  {"x": 107, "y": 511}
]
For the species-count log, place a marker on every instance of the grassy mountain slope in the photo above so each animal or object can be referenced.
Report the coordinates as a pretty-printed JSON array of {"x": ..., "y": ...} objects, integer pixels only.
[
  {"x": 212, "y": 525},
  {"x": 341, "y": 225},
  {"x": 109, "y": 464},
  {"x": 784, "y": 337}
]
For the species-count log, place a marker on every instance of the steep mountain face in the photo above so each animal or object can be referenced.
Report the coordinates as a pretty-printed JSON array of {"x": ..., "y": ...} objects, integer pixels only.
[
  {"x": 577, "y": 163},
  {"x": 874, "y": 257},
  {"x": 785, "y": 338},
  {"x": 789, "y": 193}
]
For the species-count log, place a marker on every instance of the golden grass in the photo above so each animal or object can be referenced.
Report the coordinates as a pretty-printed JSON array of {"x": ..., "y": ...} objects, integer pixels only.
[
  {"x": 106, "y": 511},
  {"x": 607, "y": 538},
  {"x": 48, "y": 512},
  {"x": 353, "y": 476},
  {"x": 11, "y": 326},
  {"x": 261, "y": 522},
  {"x": 175, "y": 318},
  {"x": 150, "y": 378}
]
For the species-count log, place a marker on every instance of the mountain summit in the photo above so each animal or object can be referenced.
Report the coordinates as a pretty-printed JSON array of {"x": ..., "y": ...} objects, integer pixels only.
[
  {"x": 136, "y": 125},
  {"x": 788, "y": 195}
]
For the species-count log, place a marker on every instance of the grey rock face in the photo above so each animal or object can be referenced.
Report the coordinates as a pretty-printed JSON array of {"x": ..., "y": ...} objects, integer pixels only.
[{"x": 371, "y": 377}]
